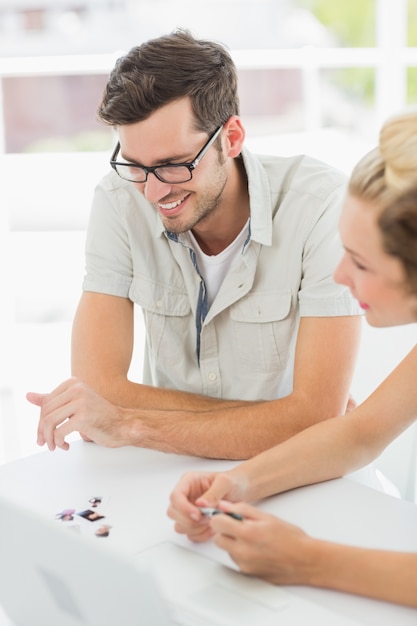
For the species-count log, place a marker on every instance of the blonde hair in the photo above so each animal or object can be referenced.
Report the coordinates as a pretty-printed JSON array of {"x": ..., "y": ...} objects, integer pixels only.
[
  {"x": 398, "y": 146},
  {"x": 391, "y": 168},
  {"x": 386, "y": 177}
]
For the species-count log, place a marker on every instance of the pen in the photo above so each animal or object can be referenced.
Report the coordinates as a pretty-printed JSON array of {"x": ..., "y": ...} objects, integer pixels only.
[{"x": 210, "y": 511}]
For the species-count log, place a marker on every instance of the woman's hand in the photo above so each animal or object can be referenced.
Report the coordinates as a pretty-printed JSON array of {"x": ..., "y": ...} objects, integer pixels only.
[
  {"x": 202, "y": 489},
  {"x": 263, "y": 545}
]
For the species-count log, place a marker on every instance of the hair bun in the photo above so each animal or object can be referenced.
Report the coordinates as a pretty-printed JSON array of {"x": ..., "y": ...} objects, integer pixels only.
[{"x": 398, "y": 147}]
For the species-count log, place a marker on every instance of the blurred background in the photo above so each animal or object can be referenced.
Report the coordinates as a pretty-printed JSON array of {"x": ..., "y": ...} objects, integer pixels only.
[{"x": 316, "y": 77}]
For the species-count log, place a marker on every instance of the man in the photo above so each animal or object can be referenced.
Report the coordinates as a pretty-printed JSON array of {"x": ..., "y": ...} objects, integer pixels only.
[{"x": 230, "y": 256}]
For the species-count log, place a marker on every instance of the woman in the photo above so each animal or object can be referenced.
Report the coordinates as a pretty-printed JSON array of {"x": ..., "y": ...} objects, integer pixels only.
[{"x": 378, "y": 228}]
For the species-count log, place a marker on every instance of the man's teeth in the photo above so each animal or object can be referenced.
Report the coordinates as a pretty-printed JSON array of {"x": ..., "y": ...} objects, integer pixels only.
[{"x": 171, "y": 205}]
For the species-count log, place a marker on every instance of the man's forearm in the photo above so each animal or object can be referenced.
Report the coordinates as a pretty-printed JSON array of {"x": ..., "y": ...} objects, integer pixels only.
[
  {"x": 228, "y": 431},
  {"x": 128, "y": 394}
]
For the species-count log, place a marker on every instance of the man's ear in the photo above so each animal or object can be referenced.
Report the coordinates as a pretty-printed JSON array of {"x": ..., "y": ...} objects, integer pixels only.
[{"x": 234, "y": 134}]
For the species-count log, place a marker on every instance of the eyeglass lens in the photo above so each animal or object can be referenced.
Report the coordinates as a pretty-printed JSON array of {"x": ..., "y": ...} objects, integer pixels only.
[{"x": 166, "y": 174}]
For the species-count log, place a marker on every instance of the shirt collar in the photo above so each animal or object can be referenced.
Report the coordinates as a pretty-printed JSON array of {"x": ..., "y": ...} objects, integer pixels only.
[{"x": 259, "y": 198}]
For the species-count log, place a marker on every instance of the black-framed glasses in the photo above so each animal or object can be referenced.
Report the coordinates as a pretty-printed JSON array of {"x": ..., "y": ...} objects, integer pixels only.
[{"x": 171, "y": 173}]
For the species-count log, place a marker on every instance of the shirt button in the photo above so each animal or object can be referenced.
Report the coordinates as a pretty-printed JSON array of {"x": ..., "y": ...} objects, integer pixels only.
[
  {"x": 159, "y": 304},
  {"x": 212, "y": 376}
]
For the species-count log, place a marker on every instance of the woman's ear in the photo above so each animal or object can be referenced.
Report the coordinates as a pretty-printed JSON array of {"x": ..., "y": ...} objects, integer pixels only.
[{"x": 234, "y": 134}]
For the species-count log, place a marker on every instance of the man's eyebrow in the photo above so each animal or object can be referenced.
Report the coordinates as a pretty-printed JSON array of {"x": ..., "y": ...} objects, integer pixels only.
[{"x": 180, "y": 158}]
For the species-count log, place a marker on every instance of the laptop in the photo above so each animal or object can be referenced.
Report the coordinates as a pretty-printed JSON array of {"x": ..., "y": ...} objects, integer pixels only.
[{"x": 53, "y": 575}]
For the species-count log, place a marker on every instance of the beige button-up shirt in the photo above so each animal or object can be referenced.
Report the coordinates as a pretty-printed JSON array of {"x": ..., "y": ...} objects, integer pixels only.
[{"x": 242, "y": 346}]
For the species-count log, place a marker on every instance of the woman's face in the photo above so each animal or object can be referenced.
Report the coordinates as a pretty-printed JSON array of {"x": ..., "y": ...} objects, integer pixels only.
[{"x": 376, "y": 279}]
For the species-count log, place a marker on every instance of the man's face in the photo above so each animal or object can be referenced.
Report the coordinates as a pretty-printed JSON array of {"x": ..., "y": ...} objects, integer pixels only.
[{"x": 168, "y": 137}]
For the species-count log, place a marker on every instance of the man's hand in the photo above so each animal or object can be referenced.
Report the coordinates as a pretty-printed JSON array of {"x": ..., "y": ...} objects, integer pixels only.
[{"x": 73, "y": 406}]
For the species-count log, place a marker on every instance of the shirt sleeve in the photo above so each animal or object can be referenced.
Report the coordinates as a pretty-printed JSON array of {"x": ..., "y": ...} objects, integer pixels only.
[
  {"x": 319, "y": 294},
  {"x": 108, "y": 255}
]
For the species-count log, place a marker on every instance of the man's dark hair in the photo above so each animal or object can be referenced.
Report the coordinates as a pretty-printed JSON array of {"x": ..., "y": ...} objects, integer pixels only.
[{"x": 168, "y": 68}]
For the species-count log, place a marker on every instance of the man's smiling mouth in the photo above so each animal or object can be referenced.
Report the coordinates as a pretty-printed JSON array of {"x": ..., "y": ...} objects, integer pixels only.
[{"x": 169, "y": 206}]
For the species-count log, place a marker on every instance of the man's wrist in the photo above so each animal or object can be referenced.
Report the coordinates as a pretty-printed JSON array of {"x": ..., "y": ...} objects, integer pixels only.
[{"x": 128, "y": 427}]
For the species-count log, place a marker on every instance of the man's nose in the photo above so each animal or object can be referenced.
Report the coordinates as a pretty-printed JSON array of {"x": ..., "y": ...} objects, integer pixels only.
[{"x": 154, "y": 189}]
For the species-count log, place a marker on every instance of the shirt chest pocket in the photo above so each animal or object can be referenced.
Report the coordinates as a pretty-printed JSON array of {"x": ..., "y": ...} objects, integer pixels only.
[
  {"x": 263, "y": 328},
  {"x": 168, "y": 318}
]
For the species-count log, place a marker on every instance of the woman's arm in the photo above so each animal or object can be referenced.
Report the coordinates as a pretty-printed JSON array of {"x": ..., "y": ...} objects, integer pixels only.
[
  {"x": 281, "y": 553},
  {"x": 324, "y": 451},
  {"x": 338, "y": 446}
]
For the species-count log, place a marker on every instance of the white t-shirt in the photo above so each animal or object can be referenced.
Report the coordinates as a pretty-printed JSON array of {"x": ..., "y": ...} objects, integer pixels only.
[{"x": 215, "y": 267}]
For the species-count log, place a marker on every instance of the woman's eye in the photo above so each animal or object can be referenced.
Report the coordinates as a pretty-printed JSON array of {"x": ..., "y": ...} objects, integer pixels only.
[{"x": 359, "y": 265}]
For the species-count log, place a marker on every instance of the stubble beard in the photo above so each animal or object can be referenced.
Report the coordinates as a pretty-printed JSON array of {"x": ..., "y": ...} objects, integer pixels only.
[{"x": 206, "y": 206}]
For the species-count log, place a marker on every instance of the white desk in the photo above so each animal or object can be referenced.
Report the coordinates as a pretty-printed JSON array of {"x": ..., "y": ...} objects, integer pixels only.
[{"x": 135, "y": 485}]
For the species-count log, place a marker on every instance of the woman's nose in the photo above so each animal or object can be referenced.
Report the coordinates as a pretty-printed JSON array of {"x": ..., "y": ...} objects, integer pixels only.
[{"x": 341, "y": 274}]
